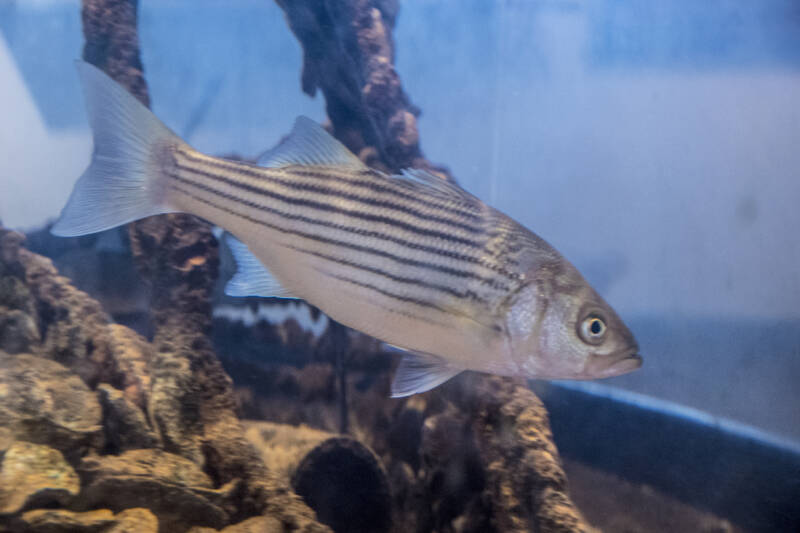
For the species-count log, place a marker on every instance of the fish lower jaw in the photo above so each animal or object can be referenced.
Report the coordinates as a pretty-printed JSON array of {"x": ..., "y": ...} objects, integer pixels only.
[{"x": 618, "y": 367}]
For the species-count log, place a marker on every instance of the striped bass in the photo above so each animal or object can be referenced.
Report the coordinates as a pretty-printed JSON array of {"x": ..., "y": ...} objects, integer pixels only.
[{"x": 412, "y": 260}]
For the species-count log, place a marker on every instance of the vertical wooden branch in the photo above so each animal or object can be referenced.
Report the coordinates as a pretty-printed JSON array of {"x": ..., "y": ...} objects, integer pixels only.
[
  {"x": 112, "y": 43},
  {"x": 348, "y": 54}
]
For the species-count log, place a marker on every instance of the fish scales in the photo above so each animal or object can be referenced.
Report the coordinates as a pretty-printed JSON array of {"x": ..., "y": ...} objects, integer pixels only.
[
  {"x": 433, "y": 315},
  {"x": 267, "y": 182},
  {"x": 348, "y": 245},
  {"x": 312, "y": 210},
  {"x": 401, "y": 279},
  {"x": 333, "y": 185},
  {"x": 320, "y": 194},
  {"x": 219, "y": 207},
  {"x": 355, "y": 179}
]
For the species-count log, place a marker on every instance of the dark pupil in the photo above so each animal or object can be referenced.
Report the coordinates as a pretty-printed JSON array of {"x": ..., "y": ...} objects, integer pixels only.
[{"x": 596, "y": 327}]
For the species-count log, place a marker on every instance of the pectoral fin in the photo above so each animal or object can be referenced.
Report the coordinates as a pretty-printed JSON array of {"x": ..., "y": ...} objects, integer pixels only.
[
  {"x": 420, "y": 372},
  {"x": 252, "y": 278}
]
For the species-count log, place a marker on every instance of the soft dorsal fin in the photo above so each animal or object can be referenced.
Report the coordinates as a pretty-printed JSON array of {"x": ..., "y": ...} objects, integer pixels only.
[
  {"x": 420, "y": 372},
  {"x": 310, "y": 144},
  {"x": 252, "y": 278},
  {"x": 439, "y": 185}
]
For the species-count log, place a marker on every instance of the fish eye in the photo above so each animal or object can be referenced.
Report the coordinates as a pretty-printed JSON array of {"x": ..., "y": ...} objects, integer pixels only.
[{"x": 593, "y": 329}]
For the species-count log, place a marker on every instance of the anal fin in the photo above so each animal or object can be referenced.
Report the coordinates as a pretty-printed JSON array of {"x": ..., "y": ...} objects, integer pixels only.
[{"x": 419, "y": 372}]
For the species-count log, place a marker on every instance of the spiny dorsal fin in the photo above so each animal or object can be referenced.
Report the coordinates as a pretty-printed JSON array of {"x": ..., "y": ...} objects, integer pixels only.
[
  {"x": 420, "y": 372},
  {"x": 252, "y": 278},
  {"x": 310, "y": 144},
  {"x": 442, "y": 186}
]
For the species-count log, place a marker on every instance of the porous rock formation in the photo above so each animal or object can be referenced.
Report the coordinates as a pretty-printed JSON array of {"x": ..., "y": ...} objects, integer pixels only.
[
  {"x": 474, "y": 455},
  {"x": 78, "y": 430}
]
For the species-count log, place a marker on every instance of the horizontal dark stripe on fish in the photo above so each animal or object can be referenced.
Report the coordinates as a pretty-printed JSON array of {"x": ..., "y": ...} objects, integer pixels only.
[
  {"x": 389, "y": 294},
  {"x": 467, "y": 295},
  {"x": 464, "y": 210},
  {"x": 393, "y": 310},
  {"x": 369, "y": 217},
  {"x": 336, "y": 242},
  {"x": 360, "y": 231},
  {"x": 334, "y": 193},
  {"x": 372, "y": 185}
]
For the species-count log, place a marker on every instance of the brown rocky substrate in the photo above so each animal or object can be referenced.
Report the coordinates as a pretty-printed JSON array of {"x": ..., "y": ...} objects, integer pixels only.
[
  {"x": 83, "y": 441},
  {"x": 83, "y": 451}
]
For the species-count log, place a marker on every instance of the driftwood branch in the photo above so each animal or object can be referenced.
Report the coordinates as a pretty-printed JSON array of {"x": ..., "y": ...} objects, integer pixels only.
[{"x": 348, "y": 54}]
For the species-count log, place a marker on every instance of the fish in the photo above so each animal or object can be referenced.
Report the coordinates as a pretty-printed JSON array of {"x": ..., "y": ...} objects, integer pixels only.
[{"x": 411, "y": 259}]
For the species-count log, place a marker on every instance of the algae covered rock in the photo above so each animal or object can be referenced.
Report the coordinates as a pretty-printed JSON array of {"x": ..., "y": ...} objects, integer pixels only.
[
  {"x": 91, "y": 388},
  {"x": 35, "y": 475},
  {"x": 130, "y": 354},
  {"x": 101, "y": 521},
  {"x": 524, "y": 474},
  {"x": 124, "y": 423},
  {"x": 18, "y": 332},
  {"x": 340, "y": 478},
  {"x": 41, "y": 401},
  {"x": 257, "y": 524},
  {"x": 173, "y": 488}
]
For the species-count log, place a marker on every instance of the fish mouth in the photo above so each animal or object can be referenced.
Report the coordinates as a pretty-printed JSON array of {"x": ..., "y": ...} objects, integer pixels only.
[
  {"x": 625, "y": 365},
  {"x": 628, "y": 362}
]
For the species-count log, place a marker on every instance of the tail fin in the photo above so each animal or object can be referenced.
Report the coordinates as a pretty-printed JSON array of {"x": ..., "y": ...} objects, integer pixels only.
[{"x": 122, "y": 182}]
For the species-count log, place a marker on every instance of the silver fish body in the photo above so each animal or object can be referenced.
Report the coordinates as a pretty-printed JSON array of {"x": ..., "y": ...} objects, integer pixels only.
[{"x": 412, "y": 260}]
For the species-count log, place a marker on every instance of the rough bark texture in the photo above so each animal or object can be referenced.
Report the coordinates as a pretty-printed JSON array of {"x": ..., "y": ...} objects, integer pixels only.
[
  {"x": 348, "y": 54},
  {"x": 524, "y": 474},
  {"x": 177, "y": 255},
  {"x": 112, "y": 42},
  {"x": 102, "y": 521}
]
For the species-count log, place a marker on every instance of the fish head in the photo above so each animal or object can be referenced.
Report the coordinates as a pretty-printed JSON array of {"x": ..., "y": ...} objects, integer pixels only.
[{"x": 560, "y": 328}]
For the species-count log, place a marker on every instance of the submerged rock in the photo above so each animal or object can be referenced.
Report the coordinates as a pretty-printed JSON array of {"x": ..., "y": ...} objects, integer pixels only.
[
  {"x": 71, "y": 327},
  {"x": 124, "y": 423},
  {"x": 131, "y": 356},
  {"x": 35, "y": 475},
  {"x": 257, "y": 524},
  {"x": 41, "y": 401},
  {"x": 171, "y": 487},
  {"x": 102, "y": 521},
  {"x": 91, "y": 388},
  {"x": 340, "y": 478}
]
